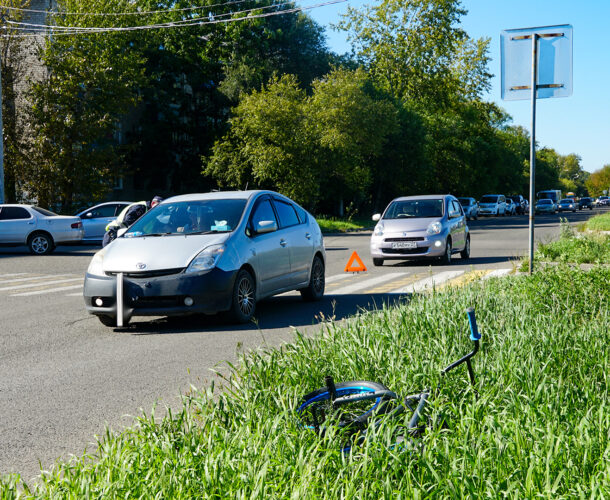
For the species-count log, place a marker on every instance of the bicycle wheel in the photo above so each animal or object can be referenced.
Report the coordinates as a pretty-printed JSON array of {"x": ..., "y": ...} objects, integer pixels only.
[{"x": 316, "y": 407}]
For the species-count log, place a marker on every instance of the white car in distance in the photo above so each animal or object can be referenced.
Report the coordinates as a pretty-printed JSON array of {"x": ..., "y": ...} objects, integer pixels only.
[{"x": 39, "y": 229}]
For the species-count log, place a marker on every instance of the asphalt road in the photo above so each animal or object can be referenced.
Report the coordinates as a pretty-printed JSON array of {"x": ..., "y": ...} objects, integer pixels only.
[{"x": 64, "y": 376}]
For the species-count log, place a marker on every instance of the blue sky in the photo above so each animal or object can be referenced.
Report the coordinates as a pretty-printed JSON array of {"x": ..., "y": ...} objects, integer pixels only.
[{"x": 577, "y": 124}]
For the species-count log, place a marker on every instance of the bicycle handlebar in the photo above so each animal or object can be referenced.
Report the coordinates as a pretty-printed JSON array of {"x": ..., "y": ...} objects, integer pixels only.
[{"x": 474, "y": 330}]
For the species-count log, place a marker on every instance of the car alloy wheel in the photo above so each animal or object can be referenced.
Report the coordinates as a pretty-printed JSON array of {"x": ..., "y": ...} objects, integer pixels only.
[
  {"x": 244, "y": 298},
  {"x": 40, "y": 244}
]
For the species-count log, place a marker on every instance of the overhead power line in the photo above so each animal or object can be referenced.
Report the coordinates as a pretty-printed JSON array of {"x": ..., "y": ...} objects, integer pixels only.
[
  {"x": 52, "y": 13},
  {"x": 37, "y": 29}
]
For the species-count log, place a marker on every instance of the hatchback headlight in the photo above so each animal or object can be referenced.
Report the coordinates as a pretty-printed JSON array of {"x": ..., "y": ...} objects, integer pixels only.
[
  {"x": 206, "y": 259},
  {"x": 434, "y": 228},
  {"x": 378, "y": 229},
  {"x": 95, "y": 266}
]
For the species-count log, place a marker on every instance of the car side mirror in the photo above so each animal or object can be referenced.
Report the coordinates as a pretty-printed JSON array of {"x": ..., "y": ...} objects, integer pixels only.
[
  {"x": 265, "y": 226},
  {"x": 376, "y": 217},
  {"x": 88, "y": 215},
  {"x": 453, "y": 214}
]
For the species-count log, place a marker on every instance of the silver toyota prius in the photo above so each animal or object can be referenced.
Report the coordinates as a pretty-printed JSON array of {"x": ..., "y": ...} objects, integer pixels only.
[
  {"x": 207, "y": 253},
  {"x": 416, "y": 227}
]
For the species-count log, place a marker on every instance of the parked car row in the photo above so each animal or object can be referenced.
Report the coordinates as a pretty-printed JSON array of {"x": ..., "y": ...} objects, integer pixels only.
[{"x": 494, "y": 204}]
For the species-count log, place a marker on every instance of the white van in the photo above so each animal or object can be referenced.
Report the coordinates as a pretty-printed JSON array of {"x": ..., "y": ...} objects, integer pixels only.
[{"x": 492, "y": 204}]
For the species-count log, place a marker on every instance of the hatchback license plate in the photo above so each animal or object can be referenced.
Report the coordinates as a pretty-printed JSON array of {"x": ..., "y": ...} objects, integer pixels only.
[{"x": 404, "y": 244}]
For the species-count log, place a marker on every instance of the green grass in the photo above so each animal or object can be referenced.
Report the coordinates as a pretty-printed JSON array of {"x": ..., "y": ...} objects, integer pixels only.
[
  {"x": 578, "y": 249},
  {"x": 334, "y": 225},
  {"x": 539, "y": 428},
  {"x": 599, "y": 223}
]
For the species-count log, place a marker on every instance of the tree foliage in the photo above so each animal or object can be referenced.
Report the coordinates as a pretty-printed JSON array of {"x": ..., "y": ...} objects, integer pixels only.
[{"x": 599, "y": 181}]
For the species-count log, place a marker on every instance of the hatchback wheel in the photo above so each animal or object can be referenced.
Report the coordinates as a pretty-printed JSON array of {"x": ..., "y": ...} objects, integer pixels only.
[
  {"x": 465, "y": 254},
  {"x": 244, "y": 298},
  {"x": 377, "y": 262},
  {"x": 315, "y": 288},
  {"x": 446, "y": 259}
]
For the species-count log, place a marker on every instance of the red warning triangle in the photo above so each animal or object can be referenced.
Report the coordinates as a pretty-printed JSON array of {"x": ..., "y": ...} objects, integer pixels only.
[{"x": 351, "y": 267}]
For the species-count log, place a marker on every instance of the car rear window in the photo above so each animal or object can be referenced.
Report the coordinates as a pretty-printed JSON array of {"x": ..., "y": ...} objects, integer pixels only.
[{"x": 44, "y": 211}]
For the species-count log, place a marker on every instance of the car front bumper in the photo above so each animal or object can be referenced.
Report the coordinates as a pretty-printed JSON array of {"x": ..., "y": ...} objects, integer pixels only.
[
  {"x": 210, "y": 291},
  {"x": 488, "y": 211},
  {"x": 425, "y": 246}
]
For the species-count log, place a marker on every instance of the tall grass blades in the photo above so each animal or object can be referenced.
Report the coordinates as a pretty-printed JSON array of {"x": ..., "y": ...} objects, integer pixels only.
[{"x": 539, "y": 426}]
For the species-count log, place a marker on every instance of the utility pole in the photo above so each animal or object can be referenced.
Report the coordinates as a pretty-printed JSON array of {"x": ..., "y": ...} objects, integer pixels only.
[{"x": 1, "y": 141}]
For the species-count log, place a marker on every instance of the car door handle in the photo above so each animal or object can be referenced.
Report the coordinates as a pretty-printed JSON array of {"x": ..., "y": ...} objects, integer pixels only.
[
  {"x": 308, "y": 236},
  {"x": 31, "y": 223},
  {"x": 283, "y": 242}
]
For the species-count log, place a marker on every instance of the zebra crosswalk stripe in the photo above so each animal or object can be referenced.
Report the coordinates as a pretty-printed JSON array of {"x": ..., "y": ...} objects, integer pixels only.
[
  {"x": 34, "y": 285},
  {"x": 429, "y": 282},
  {"x": 371, "y": 282},
  {"x": 48, "y": 290},
  {"x": 32, "y": 278}
]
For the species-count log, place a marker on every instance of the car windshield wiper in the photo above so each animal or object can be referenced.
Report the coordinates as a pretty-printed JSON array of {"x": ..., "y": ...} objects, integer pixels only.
[
  {"x": 212, "y": 231},
  {"x": 155, "y": 234}
]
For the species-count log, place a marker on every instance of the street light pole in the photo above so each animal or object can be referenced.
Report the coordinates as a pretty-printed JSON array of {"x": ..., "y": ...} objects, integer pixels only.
[{"x": 1, "y": 144}]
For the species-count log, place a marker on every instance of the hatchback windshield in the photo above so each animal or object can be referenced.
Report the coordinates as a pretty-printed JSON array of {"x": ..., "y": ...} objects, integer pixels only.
[
  {"x": 465, "y": 202},
  {"x": 545, "y": 202},
  {"x": 414, "y": 208},
  {"x": 567, "y": 200},
  {"x": 489, "y": 199},
  {"x": 189, "y": 217}
]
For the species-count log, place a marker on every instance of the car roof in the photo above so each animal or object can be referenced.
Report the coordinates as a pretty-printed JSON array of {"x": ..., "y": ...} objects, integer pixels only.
[
  {"x": 221, "y": 195},
  {"x": 423, "y": 197}
]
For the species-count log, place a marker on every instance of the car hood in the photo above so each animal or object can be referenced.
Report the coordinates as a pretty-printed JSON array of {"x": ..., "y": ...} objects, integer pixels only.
[
  {"x": 156, "y": 253},
  {"x": 408, "y": 225}
]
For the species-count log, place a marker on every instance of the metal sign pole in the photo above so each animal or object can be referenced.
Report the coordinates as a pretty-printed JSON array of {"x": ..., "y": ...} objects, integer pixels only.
[
  {"x": 119, "y": 300},
  {"x": 1, "y": 145},
  {"x": 533, "y": 151}
]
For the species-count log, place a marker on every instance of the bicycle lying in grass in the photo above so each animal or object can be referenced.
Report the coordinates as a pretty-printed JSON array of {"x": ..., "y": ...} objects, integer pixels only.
[{"x": 356, "y": 406}]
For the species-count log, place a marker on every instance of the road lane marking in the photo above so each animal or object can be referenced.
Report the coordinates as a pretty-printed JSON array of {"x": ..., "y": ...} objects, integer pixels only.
[
  {"x": 32, "y": 278},
  {"x": 34, "y": 285},
  {"x": 370, "y": 282},
  {"x": 338, "y": 277},
  {"x": 388, "y": 287},
  {"x": 48, "y": 290},
  {"x": 429, "y": 282},
  {"x": 78, "y": 294}
]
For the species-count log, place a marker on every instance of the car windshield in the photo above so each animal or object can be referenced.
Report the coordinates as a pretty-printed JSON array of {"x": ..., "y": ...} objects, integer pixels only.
[
  {"x": 545, "y": 202},
  {"x": 466, "y": 202},
  {"x": 43, "y": 211},
  {"x": 189, "y": 217},
  {"x": 414, "y": 209},
  {"x": 489, "y": 199},
  {"x": 567, "y": 200}
]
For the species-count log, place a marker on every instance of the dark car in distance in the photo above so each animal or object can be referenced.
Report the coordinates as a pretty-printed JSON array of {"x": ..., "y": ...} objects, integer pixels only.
[
  {"x": 520, "y": 203},
  {"x": 585, "y": 202}
]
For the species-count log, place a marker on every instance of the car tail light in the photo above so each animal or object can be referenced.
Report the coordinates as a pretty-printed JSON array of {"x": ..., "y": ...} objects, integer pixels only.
[{"x": 76, "y": 225}]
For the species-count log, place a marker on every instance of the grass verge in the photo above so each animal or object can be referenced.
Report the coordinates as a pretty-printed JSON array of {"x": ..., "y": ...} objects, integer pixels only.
[
  {"x": 579, "y": 249},
  {"x": 334, "y": 225},
  {"x": 539, "y": 427},
  {"x": 599, "y": 223}
]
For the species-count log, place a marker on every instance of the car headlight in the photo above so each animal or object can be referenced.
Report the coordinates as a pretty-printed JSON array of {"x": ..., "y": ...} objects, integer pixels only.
[
  {"x": 378, "y": 229},
  {"x": 95, "y": 266},
  {"x": 434, "y": 228},
  {"x": 206, "y": 259}
]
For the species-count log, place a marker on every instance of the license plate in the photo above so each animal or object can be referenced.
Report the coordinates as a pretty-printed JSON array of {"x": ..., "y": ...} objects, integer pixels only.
[{"x": 404, "y": 244}]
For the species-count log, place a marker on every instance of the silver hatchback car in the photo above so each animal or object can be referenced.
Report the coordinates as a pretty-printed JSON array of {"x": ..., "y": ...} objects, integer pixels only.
[
  {"x": 415, "y": 227},
  {"x": 206, "y": 253}
]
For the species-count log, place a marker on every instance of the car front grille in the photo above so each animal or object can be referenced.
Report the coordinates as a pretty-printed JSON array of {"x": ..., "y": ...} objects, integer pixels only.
[
  {"x": 150, "y": 274},
  {"x": 156, "y": 302},
  {"x": 405, "y": 251}
]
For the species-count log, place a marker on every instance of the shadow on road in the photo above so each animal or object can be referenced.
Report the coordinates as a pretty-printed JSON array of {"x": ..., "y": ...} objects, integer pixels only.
[{"x": 273, "y": 313}]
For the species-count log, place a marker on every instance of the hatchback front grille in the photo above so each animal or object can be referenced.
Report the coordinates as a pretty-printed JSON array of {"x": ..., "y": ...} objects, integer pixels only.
[
  {"x": 414, "y": 238},
  {"x": 405, "y": 251}
]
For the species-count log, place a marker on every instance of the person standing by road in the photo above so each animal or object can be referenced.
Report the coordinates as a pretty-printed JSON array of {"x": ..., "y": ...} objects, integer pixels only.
[{"x": 129, "y": 215}]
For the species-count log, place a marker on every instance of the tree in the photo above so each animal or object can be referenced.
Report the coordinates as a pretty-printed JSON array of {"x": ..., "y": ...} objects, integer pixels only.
[
  {"x": 92, "y": 82},
  {"x": 414, "y": 49},
  {"x": 599, "y": 181}
]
